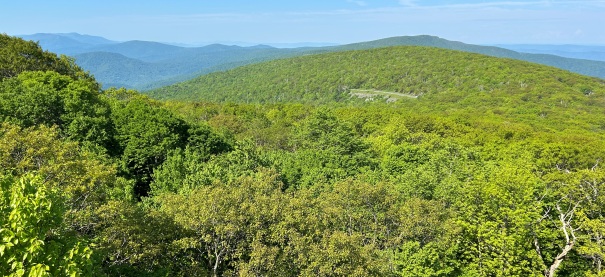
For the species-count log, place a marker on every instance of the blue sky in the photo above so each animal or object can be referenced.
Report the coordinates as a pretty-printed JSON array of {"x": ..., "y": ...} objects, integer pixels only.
[{"x": 336, "y": 21}]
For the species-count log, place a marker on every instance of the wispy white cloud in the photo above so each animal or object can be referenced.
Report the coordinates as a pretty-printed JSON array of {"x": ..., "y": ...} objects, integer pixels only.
[
  {"x": 503, "y": 4},
  {"x": 408, "y": 3},
  {"x": 358, "y": 3},
  {"x": 472, "y": 21}
]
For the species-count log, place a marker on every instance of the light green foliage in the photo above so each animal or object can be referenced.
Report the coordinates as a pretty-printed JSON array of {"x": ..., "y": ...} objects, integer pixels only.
[
  {"x": 225, "y": 220},
  {"x": 591, "y": 218},
  {"x": 327, "y": 150},
  {"x": 470, "y": 193},
  {"x": 249, "y": 226},
  {"x": 574, "y": 207},
  {"x": 432, "y": 259},
  {"x": 135, "y": 242},
  {"x": 33, "y": 243},
  {"x": 498, "y": 212},
  {"x": 494, "y": 170},
  {"x": 83, "y": 179},
  {"x": 192, "y": 168},
  {"x": 323, "y": 131}
]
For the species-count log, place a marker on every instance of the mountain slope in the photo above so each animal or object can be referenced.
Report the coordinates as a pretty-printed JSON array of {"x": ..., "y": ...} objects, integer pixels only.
[
  {"x": 144, "y": 50},
  {"x": 188, "y": 62},
  {"x": 443, "y": 80},
  {"x": 119, "y": 69}
]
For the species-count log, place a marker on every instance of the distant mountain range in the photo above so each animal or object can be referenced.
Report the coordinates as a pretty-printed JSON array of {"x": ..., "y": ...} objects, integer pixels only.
[
  {"x": 145, "y": 65},
  {"x": 68, "y": 43},
  {"x": 587, "y": 52}
]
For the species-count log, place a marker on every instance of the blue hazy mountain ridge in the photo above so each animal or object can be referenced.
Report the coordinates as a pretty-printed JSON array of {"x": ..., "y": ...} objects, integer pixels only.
[
  {"x": 587, "y": 52},
  {"x": 68, "y": 43},
  {"x": 158, "y": 65},
  {"x": 581, "y": 66},
  {"x": 147, "y": 65},
  {"x": 117, "y": 70},
  {"x": 143, "y": 50}
]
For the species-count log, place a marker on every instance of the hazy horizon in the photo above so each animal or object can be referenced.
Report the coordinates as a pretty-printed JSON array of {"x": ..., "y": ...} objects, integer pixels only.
[
  {"x": 299, "y": 43},
  {"x": 338, "y": 22}
]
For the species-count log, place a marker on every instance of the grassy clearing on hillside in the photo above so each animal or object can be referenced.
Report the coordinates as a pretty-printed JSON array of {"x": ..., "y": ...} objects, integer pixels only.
[{"x": 370, "y": 94}]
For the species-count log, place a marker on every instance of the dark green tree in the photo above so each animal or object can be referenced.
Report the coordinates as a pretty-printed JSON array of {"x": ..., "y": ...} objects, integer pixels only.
[
  {"x": 146, "y": 133},
  {"x": 49, "y": 98},
  {"x": 18, "y": 55}
]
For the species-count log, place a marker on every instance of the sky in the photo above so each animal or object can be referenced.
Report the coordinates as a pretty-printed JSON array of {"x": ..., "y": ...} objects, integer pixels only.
[{"x": 317, "y": 21}]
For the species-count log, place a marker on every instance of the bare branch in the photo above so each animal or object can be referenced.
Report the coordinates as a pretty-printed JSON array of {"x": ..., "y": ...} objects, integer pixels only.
[{"x": 595, "y": 165}]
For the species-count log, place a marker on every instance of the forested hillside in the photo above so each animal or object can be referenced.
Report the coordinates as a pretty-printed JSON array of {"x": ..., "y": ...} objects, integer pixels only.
[
  {"x": 495, "y": 169},
  {"x": 443, "y": 82}
]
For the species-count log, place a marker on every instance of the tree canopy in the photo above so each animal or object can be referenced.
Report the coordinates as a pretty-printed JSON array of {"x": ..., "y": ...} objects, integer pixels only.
[{"x": 500, "y": 180}]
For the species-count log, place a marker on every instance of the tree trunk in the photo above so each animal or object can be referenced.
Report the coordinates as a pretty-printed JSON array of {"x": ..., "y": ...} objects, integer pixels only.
[
  {"x": 570, "y": 239},
  {"x": 559, "y": 259}
]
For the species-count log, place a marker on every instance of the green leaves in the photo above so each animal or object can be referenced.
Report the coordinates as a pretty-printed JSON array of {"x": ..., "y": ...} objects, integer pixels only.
[
  {"x": 134, "y": 241},
  {"x": 63, "y": 165},
  {"x": 223, "y": 220},
  {"x": 496, "y": 175},
  {"x": 32, "y": 241},
  {"x": 18, "y": 55},
  {"x": 497, "y": 213},
  {"x": 49, "y": 98},
  {"x": 145, "y": 134}
]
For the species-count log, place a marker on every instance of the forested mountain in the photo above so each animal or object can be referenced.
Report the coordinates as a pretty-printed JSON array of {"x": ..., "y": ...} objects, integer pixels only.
[
  {"x": 433, "y": 75},
  {"x": 482, "y": 167},
  {"x": 123, "y": 71},
  {"x": 161, "y": 64},
  {"x": 153, "y": 64},
  {"x": 68, "y": 43},
  {"x": 146, "y": 51}
]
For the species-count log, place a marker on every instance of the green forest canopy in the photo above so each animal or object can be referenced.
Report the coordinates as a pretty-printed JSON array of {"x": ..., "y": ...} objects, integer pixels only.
[
  {"x": 494, "y": 170},
  {"x": 324, "y": 78},
  {"x": 446, "y": 83}
]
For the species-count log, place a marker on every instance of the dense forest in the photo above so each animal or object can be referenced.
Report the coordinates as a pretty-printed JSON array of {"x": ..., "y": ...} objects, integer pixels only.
[{"x": 493, "y": 169}]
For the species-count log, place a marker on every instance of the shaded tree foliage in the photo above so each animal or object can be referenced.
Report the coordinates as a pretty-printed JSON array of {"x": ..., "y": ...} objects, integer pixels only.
[{"x": 49, "y": 98}]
